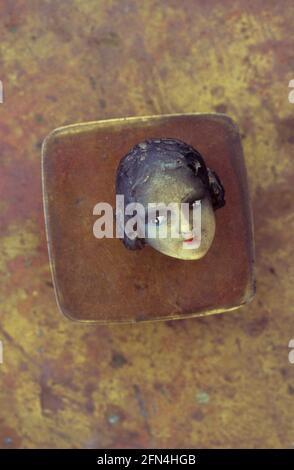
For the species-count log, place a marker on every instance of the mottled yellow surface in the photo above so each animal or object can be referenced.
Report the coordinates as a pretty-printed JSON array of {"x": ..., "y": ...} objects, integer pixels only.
[{"x": 220, "y": 381}]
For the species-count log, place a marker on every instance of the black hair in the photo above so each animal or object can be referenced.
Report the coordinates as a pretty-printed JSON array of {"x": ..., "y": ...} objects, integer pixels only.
[{"x": 154, "y": 155}]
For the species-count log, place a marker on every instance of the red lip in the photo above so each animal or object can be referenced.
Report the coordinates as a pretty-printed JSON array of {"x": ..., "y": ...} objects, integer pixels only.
[{"x": 187, "y": 240}]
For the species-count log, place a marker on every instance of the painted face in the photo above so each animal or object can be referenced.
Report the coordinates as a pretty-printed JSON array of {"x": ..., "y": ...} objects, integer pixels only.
[{"x": 176, "y": 233}]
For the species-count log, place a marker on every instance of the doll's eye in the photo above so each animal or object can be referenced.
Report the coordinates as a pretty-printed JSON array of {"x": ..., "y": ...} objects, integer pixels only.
[
  {"x": 195, "y": 203},
  {"x": 159, "y": 220}
]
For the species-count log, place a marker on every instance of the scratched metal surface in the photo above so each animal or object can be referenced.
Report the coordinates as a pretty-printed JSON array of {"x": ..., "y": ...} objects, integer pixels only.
[{"x": 220, "y": 381}]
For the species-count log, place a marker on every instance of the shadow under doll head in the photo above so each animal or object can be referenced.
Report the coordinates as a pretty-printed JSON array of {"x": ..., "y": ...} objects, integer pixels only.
[{"x": 165, "y": 171}]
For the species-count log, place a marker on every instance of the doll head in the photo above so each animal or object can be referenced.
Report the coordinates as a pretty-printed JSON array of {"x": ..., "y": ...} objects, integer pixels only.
[{"x": 169, "y": 172}]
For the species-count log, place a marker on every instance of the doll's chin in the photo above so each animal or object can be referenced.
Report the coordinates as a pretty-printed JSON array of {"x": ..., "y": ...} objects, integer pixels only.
[
  {"x": 189, "y": 256},
  {"x": 186, "y": 254}
]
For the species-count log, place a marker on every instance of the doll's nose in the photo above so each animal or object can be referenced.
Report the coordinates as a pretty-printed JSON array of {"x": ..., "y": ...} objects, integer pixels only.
[{"x": 185, "y": 226}]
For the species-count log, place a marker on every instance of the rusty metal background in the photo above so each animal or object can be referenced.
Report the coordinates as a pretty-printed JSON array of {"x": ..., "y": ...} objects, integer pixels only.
[{"x": 221, "y": 381}]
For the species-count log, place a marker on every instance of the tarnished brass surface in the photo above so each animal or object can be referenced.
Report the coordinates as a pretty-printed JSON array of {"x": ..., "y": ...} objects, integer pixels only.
[
  {"x": 99, "y": 280},
  {"x": 220, "y": 381}
]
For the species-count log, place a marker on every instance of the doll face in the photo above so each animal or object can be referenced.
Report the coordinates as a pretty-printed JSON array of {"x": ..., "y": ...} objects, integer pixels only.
[{"x": 177, "y": 187}]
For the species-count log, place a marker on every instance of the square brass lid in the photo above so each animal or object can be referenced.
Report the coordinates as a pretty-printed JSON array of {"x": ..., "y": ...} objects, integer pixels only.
[{"x": 100, "y": 280}]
